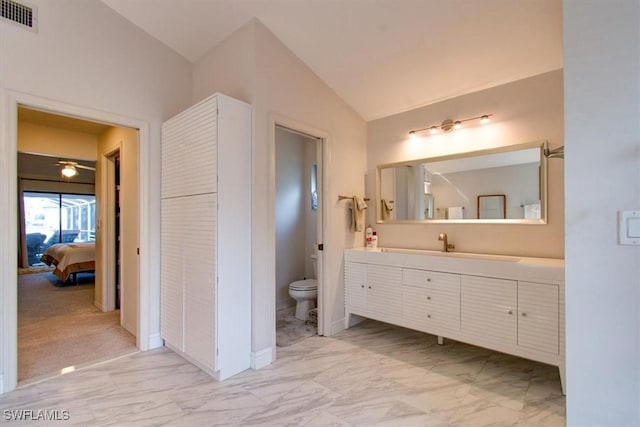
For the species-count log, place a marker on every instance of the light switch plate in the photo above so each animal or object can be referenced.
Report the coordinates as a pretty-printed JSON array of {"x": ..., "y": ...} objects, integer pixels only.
[{"x": 629, "y": 227}]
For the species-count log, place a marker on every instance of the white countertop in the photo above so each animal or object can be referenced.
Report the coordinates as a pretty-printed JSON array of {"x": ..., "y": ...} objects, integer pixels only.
[{"x": 503, "y": 266}]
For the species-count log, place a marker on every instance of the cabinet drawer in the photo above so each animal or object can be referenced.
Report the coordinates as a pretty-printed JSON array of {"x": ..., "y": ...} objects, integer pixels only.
[
  {"x": 431, "y": 279},
  {"x": 430, "y": 310}
]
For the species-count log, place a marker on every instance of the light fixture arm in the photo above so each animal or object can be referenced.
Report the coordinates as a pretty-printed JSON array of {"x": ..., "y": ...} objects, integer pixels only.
[{"x": 449, "y": 124}]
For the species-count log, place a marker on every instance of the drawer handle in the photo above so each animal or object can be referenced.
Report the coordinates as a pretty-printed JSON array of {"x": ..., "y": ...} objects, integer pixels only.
[
  {"x": 429, "y": 279},
  {"x": 369, "y": 287},
  {"x": 510, "y": 312},
  {"x": 428, "y": 316},
  {"x": 524, "y": 314},
  {"x": 429, "y": 298},
  {"x": 362, "y": 286}
]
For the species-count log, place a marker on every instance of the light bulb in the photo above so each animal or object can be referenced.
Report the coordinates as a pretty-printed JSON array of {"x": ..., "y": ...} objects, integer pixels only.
[
  {"x": 484, "y": 119},
  {"x": 433, "y": 129},
  {"x": 457, "y": 124},
  {"x": 412, "y": 134},
  {"x": 69, "y": 171}
]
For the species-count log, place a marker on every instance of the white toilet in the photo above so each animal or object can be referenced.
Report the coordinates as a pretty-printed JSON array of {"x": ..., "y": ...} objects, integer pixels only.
[{"x": 305, "y": 292}]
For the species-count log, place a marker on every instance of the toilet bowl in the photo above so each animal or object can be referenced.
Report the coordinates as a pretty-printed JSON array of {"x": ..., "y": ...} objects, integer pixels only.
[{"x": 305, "y": 293}]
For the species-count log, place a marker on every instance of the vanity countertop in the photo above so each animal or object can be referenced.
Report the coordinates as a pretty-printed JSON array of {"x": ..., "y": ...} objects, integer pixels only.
[{"x": 510, "y": 267}]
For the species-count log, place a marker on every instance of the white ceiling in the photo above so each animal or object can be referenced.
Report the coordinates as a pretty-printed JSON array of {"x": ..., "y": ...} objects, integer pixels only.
[{"x": 381, "y": 56}]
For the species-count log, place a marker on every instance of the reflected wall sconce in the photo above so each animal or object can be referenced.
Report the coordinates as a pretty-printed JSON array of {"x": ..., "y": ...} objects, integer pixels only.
[{"x": 449, "y": 124}]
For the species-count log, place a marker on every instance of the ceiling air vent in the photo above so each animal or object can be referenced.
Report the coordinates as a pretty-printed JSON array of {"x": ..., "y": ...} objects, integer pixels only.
[{"x": 19, "y": 13}]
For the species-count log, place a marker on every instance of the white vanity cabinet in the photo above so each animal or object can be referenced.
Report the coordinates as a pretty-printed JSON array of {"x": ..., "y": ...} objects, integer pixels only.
[
  {"x": 373, "y": 291},
  {"x": 510, "y": 304}
]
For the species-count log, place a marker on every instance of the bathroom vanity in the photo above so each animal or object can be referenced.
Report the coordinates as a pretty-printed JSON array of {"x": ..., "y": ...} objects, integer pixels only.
[{"x": 510, "y": 304}]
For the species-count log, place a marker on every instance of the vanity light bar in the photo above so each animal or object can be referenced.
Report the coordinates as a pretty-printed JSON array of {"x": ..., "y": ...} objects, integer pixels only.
[{"x": 449, "y": 124}]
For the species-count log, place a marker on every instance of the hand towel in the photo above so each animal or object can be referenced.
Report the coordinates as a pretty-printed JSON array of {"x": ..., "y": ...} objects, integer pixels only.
[
  {"x": 455, "y": 212},
  {"x": 358, "y": 206},
  {"x": 386, "y": 209},
  {"x": 532, "y": 211}
]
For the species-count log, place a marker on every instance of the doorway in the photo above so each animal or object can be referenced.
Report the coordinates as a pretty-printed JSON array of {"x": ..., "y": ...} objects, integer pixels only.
[
  {"x": 61, "y": 321},
  {"x": 9, "y": 219},
  {"x": 298, "y": 215}
]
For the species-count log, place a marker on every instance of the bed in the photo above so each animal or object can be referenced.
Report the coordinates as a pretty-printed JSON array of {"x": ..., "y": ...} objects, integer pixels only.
[{"x": 70, "y": 259}]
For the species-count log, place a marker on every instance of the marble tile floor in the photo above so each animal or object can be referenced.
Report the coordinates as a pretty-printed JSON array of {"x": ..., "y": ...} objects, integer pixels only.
[{"x": 370, "y": 375}]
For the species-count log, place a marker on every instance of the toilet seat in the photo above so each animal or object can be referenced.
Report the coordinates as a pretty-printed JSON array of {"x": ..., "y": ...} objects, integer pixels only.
[{"x": 304, "y": 285}]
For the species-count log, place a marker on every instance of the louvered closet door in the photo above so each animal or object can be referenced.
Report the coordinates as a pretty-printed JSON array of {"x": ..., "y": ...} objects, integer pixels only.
[
  {"x": 189, "y": 155},
  {"x": 199, "y": 237},
  {"x": 188, "y": 268},
  {"x": 172, "y": 274}
]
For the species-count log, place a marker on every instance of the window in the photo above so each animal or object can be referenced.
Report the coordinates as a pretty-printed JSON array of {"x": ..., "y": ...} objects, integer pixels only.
[
  {"x": 57, "y": 218},
  {"x": 314, "y": 187}
]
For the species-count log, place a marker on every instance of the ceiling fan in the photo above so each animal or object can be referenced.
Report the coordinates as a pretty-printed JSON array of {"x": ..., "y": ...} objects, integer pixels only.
[{"x": 70, "y": 169}]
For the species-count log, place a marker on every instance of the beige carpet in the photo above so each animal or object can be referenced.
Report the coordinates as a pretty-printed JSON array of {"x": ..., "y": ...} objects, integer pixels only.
[{"x": 58, "y": 326}]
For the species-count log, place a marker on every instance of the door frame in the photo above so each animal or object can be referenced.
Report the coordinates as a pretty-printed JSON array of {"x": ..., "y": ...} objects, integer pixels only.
[
  {"x": 109, "y": 241},
  {"x": 324, "y": 312},
  {"x": 8, "y": 219}
]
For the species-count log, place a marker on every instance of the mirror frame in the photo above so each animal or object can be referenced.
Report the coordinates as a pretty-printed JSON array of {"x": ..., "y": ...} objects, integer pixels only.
[{"x": 541, "y": 144}]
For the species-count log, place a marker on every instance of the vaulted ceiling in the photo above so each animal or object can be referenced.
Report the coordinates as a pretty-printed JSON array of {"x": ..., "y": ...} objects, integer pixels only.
[{"x": 381, "y": 56}]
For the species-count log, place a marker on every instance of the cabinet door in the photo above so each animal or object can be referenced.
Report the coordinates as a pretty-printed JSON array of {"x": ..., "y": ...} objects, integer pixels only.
[
  {"x": 200, "y": 314},
  {"x": 189, "y": 163},
  {"x": 431, "y": 301},
  {"x": 488, "y": 309},
  {"x": 538, "y": 316},
  {"x": 384, "y": 293},
  {"x": 355, "y": 281},
  {"x": 172, "y": 274}
]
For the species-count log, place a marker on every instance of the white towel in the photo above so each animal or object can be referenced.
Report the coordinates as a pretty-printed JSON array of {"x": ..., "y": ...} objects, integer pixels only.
[
  {"x": 532, "y": 211},
  {"x": 358, "y": 206},
  {"x": 387, "y": 207},
  {"x": 454, "y": 212}
]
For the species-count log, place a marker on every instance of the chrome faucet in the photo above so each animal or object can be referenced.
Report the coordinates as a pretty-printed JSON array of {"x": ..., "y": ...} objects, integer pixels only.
[{"x": 446, "y": 245}]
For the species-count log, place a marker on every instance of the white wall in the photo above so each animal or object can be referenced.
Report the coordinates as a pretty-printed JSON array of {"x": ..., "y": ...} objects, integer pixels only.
[
  {"x": 290, "y": 214},
  {"x": 602, "y": 96},
  {"x": 84, "y": 54},
  {"x": 523, "y": 111},
  {"x": 279, "y": 83}
]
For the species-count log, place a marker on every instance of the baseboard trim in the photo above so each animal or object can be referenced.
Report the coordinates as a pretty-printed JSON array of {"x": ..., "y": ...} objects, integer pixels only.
[
  {"x": 337, "y": 326},
  {"x": 262, "y": 358},
  {"x": 129, "y": 329},
  {"x": 352, "y": 320},
  {"x": 155, "y": 341}
]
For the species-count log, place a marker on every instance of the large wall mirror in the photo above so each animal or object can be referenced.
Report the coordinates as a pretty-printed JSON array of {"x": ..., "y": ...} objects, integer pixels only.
[{"x": 504, "y": 185}]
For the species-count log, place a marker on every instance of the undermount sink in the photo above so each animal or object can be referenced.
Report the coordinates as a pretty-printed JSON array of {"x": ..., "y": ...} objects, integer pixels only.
[{"x": 467, "y": 255}]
